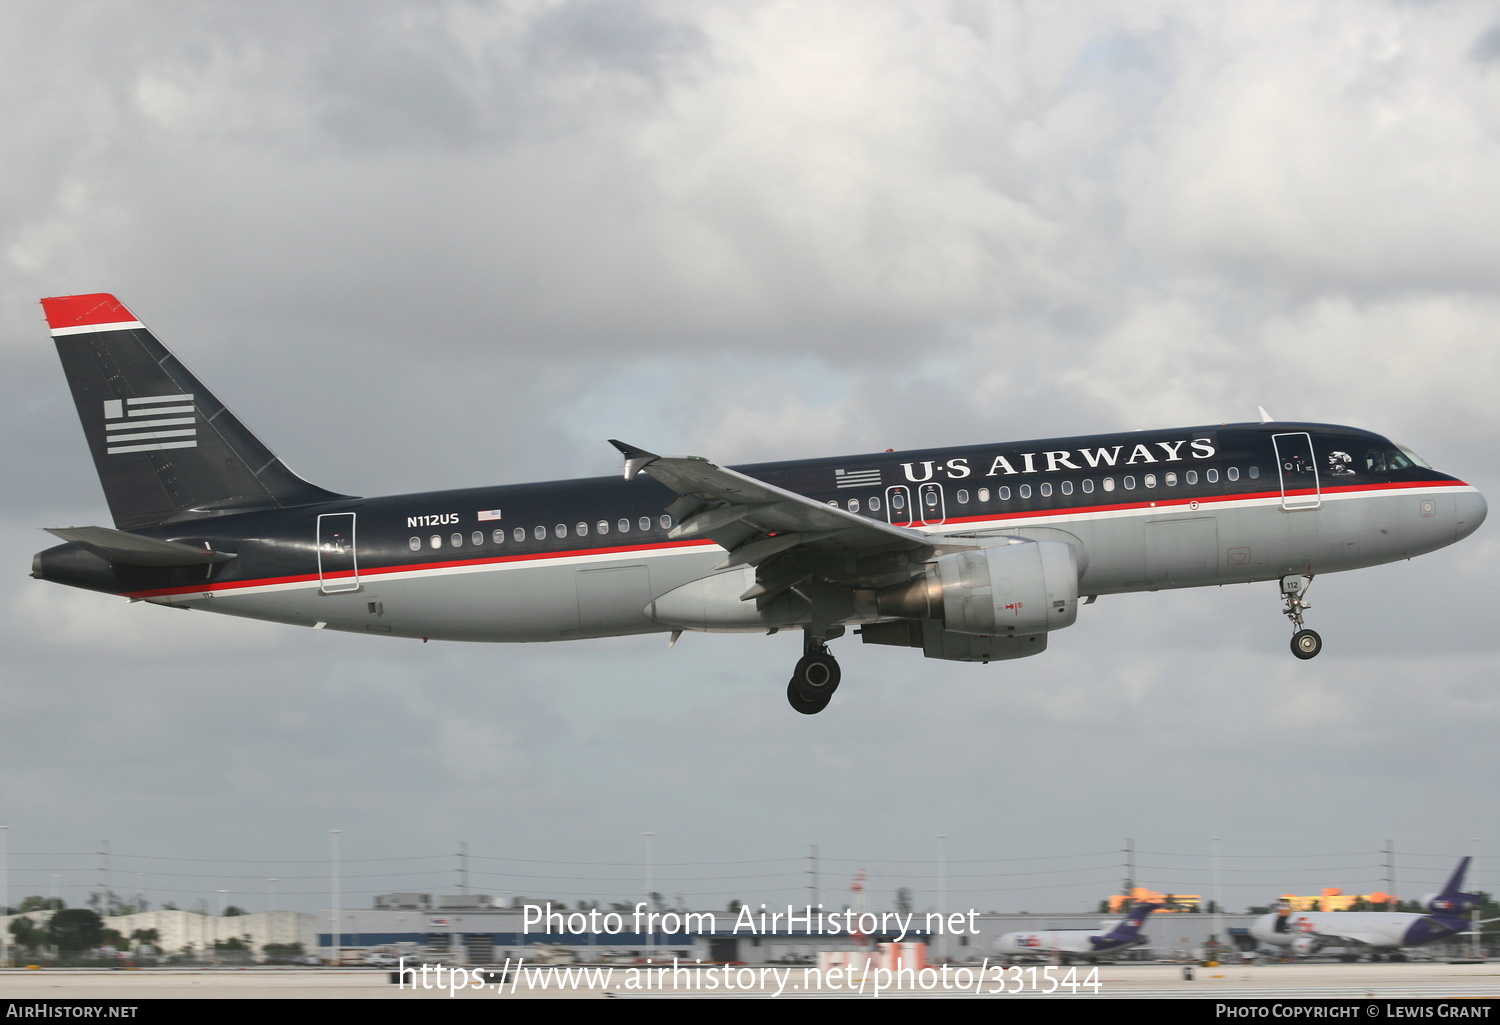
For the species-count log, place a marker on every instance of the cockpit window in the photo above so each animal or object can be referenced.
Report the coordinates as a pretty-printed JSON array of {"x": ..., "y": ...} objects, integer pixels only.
[
  {"x": 1391, "y": 458},
  {"x": 1415, "y": 459},
  {"x": 1385, "y": 460}
]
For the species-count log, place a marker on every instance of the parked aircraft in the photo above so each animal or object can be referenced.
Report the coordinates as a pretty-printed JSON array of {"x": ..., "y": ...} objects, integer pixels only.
[
  {"x": 1087, "y": 944},
  {"x": 971, "y": 554},
  {"x": 1306, "y": 932}
]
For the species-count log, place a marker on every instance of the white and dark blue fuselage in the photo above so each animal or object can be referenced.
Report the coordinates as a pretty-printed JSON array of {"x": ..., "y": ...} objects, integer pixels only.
[{"x": 930, "y": 549}]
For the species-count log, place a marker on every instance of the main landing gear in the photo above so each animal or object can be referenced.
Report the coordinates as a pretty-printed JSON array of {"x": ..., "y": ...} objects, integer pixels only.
[
  {"x": 815, "y": 678},
  {"x": 1305, "y": 643}
]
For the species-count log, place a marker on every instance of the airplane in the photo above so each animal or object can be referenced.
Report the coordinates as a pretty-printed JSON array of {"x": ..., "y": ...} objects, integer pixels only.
[
  {"x": 1306, "y": 932},
  {"x": 1088, "y": 944},
  {"x": 971, "y": 554}
]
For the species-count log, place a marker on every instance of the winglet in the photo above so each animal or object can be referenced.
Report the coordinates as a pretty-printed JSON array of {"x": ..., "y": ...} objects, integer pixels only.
[
  {"x": 636, "y": 459},
  {"x": 1265, "y": 417}
]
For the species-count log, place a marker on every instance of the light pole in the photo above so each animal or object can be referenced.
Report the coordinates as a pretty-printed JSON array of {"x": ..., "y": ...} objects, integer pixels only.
[
  {"x": 333, "y": 864},
  {"x": 943, "y": 892},
  {"x": 650, "y": 934},
  {"x": 1218, "y": 900},
  {"x": 1474, "y": 911},
  {"x": 4, "y": 885}
]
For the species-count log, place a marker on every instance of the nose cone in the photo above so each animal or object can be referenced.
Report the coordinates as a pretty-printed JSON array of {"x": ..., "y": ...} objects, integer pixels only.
[{"x": 1471, "y": 509}]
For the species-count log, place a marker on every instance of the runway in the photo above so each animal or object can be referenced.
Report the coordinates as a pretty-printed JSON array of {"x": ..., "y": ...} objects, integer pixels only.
[{"x": 1362, "y": 982}]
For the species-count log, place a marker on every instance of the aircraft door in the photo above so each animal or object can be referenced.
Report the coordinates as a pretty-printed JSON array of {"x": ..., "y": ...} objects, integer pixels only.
[
  {"x": 1298, "y": 470},
  {"x": 898, "y": 508},
  {"x": 338, "y": 567},
  {"x": 930, "y": 504}
]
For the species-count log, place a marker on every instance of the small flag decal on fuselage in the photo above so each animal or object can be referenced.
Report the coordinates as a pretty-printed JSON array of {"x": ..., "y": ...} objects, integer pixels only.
[
  {"x": 857, "y": 478},
  {"x": 149, "y": 424},
  {"x": 488, "y": 514}
]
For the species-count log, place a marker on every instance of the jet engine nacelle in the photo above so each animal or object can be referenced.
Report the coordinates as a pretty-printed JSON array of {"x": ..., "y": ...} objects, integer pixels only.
[
  {"x": 1006, "y": 590},
  {"x": 1305, "y": 945}
]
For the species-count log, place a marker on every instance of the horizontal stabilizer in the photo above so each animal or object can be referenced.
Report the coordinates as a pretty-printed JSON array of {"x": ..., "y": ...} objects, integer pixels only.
[{"x": 126, "y": 549}]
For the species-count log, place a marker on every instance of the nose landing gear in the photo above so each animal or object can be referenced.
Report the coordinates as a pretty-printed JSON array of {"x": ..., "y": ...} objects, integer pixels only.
[
  {"x": 815, "y": 678},
  {"x": 1305, "y": 643}
]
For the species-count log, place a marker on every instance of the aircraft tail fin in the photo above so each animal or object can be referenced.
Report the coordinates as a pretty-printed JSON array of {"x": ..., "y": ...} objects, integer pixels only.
[
  {"x": 1130, "y": 926},
  {"x": 1453, "y": 901},
  {"x": 165, "y": 447}
]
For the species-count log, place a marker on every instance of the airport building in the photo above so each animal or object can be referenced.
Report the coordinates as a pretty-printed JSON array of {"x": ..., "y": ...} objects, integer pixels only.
[
  {"x": 188, "y": 931},
  {"x": 468, "y": 930}
]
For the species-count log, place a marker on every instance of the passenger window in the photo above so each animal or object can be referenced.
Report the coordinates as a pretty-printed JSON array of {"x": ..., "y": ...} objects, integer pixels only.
[
  {"x": 645, "y": 523},
  {"x": 854, "y": 505},
  {"x": 498, "y": 537},
  {"x": 1088, "y": 485},
  {"x": 458, "y": 540},
  {"x": 874, "y": 504},
  {"x": 1149, "y": 480},
  {"x": 435, "y": 541},
  {"x": 1024, "y": 490},
  {"x": 898, "y": 501},
  {"x": 665, "y": 521},
  {"x": 1109, "y": 483},
  {"x": 1004, "y": 494},
  {"x": 1234, "y": 473},
  {"x": 477, "y": 537},
  {"x": 1129, "y": 482},
  {"x": 1067, "y": 487},
  {"x": 602, "y": 526},
  {"x": 624, "y": 526},
  {"x": 1045, "y": 489},
  {"x": 560, "y": 530},
  {"x": 984, "y": 494},
  {"x": 1191, "y": 476},
  {"x": 540, "y": 533},
  {"x": 931, "y": 499},
  {"x": 1254, "y": 472},
  {"x": 581, "y": 529},
  {"x": 963, "y": 496},
  {"x": 415, "y": 544},
  {"x": 1170, "y": 479},
  {"x": 1212, "y": 475},
  {"x": 519, "y": 534}
]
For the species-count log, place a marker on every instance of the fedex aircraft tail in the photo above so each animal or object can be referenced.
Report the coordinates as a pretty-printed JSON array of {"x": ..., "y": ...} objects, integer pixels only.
[
  {"x": 1453, "y": 901},
  {"x": 165, "y": 447},
  {"x": 1130, "y": 927}
]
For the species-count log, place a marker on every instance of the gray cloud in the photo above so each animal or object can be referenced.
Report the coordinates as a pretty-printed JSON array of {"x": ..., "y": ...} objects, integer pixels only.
[{"x": 440, "y": 246}]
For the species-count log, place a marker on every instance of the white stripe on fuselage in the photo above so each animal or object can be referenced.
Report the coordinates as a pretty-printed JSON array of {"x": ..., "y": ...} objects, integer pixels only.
[{"x": 940, "y": 531}]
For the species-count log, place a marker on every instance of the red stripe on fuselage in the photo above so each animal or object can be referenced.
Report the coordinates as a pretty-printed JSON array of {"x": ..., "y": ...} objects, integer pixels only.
[
  {"x": 415, "y": 567},
  {"x": 1187, "y": 502},
  {"x": 666, "y": 545}
]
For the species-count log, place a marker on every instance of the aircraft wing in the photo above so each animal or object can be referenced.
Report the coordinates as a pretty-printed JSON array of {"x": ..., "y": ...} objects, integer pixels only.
[
  {"x": 1364, "y": 939},
  {"x": 1347, "y": 933},
  {"x": 787, "y": 537}
]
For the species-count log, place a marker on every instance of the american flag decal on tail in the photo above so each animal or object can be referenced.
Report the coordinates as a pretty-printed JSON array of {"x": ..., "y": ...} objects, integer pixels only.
[
  {"x": 857, "y": 478},
  {"x": 149, "y": 424}
]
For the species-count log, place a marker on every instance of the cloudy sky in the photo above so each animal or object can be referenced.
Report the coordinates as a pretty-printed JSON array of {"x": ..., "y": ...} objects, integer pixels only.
[{"x": 421, "y": 246}]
